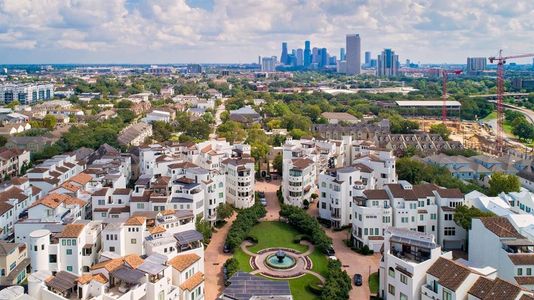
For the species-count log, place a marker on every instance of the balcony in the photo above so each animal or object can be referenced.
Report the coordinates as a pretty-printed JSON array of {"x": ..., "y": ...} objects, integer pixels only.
[{"x": 427, "y": 293}]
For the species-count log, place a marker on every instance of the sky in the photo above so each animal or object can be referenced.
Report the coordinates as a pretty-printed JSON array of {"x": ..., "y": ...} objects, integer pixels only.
[{"x": 238, "y": 31}]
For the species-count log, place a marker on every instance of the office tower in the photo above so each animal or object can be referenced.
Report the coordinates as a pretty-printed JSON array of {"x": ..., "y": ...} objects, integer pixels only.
[
  {"x": 373, "y": 63},
  {"x": 323, "y": 57},
  {"x": 315, "y": 55},
  {"x": 476, "y": 64},
  {"x": 268, "y": 64},
  {"x": 292, "y": 60},
  {"x": 307, "y": 54},
  {"x": 353, "y": 54},
  {"x": 367, "y": 58},
  {"x": 388, "y": 64},
  {"x": 283, "y": 57},
  {"x": 408, "y": 62},
  {"x": 300, "y": 57},
  {"x": 342, "y": 54}
]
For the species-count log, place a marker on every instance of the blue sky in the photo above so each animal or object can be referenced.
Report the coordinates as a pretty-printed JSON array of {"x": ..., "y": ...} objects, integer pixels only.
[{"x": 179, "y": 31}]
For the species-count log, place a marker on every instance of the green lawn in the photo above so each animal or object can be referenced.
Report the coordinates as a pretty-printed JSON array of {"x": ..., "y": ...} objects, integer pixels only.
[
  {"x": 320, "y": 262},
  {"x": 490, "y": 117},
  {"x": 243, "y": 259},
  {"x": 373, "y": 283},
  {"x": 275, "y": 234}
]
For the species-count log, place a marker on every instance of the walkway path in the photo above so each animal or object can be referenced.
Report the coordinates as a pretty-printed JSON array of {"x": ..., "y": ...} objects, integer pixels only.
[
  {"x": 214, "y": 258},
  {"x": 273, "y": 207}
]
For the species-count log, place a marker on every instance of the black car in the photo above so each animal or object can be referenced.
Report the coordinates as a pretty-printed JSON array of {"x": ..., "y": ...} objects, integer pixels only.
[
  {"x": 226, "y": 248},
  {"x": 261, "y": 194},
  {"x": 358, "y": 279},
  {"x": 330, "y": 251}
]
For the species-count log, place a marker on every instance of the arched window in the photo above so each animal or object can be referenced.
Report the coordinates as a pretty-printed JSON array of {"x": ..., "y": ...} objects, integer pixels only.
[{"x": 391, "y": 272}]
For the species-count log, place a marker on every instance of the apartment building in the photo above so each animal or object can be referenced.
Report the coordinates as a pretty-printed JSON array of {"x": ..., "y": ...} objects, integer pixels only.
[
  {"x": 12, "y": 161},
  {"x": 73, "y": 247},
  {"x": 15, "y": 198},
  {"x": 406, "y": 257},
  {"x": 14, "y": 263},
  {"x": 298, "y": 180},
  {"x": 239, "y": 181},
  {"x": 50, "y": 212},
  {"x": 26, "y": 93},
  {"x": 495, "y": 242}
]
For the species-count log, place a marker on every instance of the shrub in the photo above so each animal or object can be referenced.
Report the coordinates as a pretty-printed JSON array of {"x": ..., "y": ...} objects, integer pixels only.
[
  {"x": 307, "y": 225},
  {"x": 315, "y": 288},
  {"x": 337, "y": 284},
  {"x": 364, "y": 250},
  {"x": 232, "y": 266},
  {"x": 244, "y": 221}
]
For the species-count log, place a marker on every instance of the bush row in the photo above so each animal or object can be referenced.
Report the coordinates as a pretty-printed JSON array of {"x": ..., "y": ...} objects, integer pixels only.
[
  {"x": 338, "y": 284},
  {"x": 307, "y": 225},
  {"x": 244, "y": 221}
]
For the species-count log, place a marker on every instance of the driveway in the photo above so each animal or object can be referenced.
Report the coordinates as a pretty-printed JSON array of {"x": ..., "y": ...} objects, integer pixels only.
[
  {"x": 352, "y": 262},
  {"x": 214, "y": 259},
  {"x": 273, "y": 207}
]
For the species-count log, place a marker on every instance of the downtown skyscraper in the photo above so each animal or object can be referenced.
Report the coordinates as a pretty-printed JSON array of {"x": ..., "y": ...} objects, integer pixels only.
[
  {"x": 353, "y": 54},
  {"x": 388, "y": 64},
  {"x": 284, "y": 57},
  {"x": 307, "y": 54}
]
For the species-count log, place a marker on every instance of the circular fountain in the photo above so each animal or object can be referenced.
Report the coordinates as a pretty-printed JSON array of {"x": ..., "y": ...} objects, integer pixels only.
[{"x": 280, "y": 260}]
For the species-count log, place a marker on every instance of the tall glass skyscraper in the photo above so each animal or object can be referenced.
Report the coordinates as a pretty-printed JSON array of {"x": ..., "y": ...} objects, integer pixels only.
[
  {"x": 307, "y": 54},
  {"x": 388, "y": 64},
  {"x": 342, "y": 54},
  {"x": 284, "y": 57},
  {"x": 367, "y": 58}
]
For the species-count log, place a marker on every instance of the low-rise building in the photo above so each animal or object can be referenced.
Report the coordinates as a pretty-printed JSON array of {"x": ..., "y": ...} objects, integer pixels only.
[
  {"x": 135, "y": 134},
  {"x": 14, "y": 263}
]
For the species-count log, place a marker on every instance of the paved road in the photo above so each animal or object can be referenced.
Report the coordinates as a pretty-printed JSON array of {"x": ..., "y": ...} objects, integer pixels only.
[
  {"x": 352, "y": 262},
  {"x": 273, "y": 207},
  {"x": 214, "y": 259}
]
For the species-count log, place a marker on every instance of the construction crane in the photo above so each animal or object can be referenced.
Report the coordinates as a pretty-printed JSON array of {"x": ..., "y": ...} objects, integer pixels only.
[
  {"x": 501, "y": 60},
  {"x": 444, "y": 75}
]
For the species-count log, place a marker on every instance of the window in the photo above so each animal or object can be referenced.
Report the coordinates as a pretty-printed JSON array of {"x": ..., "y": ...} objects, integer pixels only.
[
  {"x": 421, "y": 203},
  {"x": 74, "y": 242},
  {"x": 101, "y": 202},
  {"x": 449, "y": 231},
  {"x": 133, "y": 241},
  {"x": 69, "y": 268},
  {"x": 403, "y": 278},
  {"x": 12, "y": 266},
  {"x": 529, "y": 271},
  {"x": 391, "y": 272},
  {"x": 519, "y": 271},
  {"x": 63, "y": 242},
  {"x": 447, "y": 295},
  {"x": 403, "y": 297},
  {"x": 140, "y": 205},
  {"x": 433, "y": 216},
  {"x": 69, "y": 251},
  {"x": 448, "y": 217},
  {"x": 391, "y": 289},
  {"x": 323, "y": 205},
  {"x": 112, "y": 249},
  {"x": 103, "y": 215},
  {"x": 421, "y": 217},
  {"x": 365, "y": 231}
]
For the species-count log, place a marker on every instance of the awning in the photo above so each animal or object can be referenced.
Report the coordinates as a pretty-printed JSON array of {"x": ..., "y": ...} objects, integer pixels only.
[{"x": 128, "y": 275}]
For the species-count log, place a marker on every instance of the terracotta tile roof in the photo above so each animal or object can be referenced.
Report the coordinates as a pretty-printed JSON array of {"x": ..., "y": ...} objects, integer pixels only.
[
  {"x": 101, "y": 192},
  {"x": 143, "y": 198},
  {"x": 450, "y": 274},
  {"x": 82, "y": 178},
  {"x": 132, "y": 260},
  {"x": 450, "y": 193},
  {"x": 54, "y": 200},
  {"x": 193, "y": 281},
  {"x": 19, "y": 180},
  {"x": 524, "y": 280},
  {"x": 424, "y": 190},
  {"x": 86, "y": 278},
  {"x": 13, "y": 193},
  {"x": 167, "y": 212},
  {"x": 5, "y": 207},
  {"x": 35, "y": 190},
  {"x": 501, "y": 227},
  {"x": 125, "y": 191},
  {"x": 301, "y": 163},
  {"x": 71, "y": 231},
  {"x": 363, "y": 168},
  {"x": 70, "y": 187},
  {"x": 135, "y": 221},
  {"x": 526, "y": 297},
  {"x": 156, "y": 230},
  {"x": 376, "y": 194},
  {"x": 182, "y": 262},
  {"x": 182, "y": 165},
  {"x": 521, "y": 259},
  {"x": 486, "y": 289}
]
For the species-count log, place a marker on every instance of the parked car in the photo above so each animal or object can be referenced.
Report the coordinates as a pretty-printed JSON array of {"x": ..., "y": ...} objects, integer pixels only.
[
  {"x": 263, "y": 202},
  {"x": 226, "y": 248},
  {"x": 358, "y": 279},
  {"x": 330, "y": 251},
  {"x": 261, "y": 194}
]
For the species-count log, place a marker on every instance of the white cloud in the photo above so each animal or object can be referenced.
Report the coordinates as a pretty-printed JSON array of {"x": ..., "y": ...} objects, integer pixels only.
[{"x": 238, "y": 31}]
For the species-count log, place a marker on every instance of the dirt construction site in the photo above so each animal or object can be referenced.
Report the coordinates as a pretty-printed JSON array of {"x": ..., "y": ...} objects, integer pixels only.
[{"x": 478, "y": 136}]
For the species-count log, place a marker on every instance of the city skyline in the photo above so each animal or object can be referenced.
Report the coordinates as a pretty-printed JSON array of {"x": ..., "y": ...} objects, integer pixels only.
[{"x": 223, "y": 31}]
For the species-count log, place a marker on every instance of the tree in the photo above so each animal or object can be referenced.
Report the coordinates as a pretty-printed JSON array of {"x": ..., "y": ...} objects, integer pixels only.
[
  {"x": 203, "y": 227},
  {"x": 13, "y": 104},
  {"x": 224, "y": 211},
  {"x": 232, "y": 131},
  {"x": 464, "y": 214},
  {"x": 278, "y": 164},
  {"x": 49, "y": 121},
  {"x": 522, "y": 129},
  {"x": 500, "y": 182},
  {"x": 3, "y": 141},
  {"x": 440, "y": 129}
]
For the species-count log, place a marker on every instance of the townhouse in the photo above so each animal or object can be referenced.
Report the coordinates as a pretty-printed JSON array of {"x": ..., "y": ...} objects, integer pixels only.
[
  {"x": 15, "y": 199},
  {"x": 51, "y": 173},
  {"x": 14, "y": 263},
  {"x": 495, "y": 242},
  {"x": 73, "y": 247},
  {"x": 239, "y": 181},
  {"x": 12, "y": 161}
]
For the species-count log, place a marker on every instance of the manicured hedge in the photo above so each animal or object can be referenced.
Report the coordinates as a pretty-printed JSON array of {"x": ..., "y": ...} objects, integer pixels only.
[
  {"x": 307, "y": 225},
  {"x": 245, "y": 220}
]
